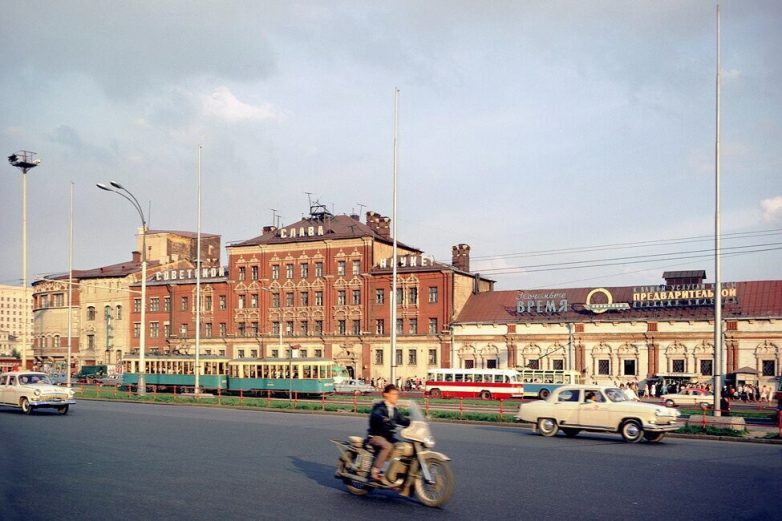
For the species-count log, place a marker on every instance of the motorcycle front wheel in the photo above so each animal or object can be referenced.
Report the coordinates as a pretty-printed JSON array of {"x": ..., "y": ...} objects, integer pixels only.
[{"x": 438, "y": 492}]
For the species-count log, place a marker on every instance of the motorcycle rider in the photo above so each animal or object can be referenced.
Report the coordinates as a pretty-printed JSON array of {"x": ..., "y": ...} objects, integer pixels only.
[{"x": 383, "y": 420}]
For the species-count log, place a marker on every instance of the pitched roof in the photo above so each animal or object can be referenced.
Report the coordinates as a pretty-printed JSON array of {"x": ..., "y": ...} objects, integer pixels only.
[
  {"x": 122, "y": 269},
  {"x": 754, "y": 299},
  {"x": 189, "y": 235},
  {"x": 335, "y": 227}
]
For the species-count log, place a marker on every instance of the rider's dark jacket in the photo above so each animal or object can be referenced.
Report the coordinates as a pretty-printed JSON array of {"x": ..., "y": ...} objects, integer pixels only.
[{"x": 381, "y": 424}]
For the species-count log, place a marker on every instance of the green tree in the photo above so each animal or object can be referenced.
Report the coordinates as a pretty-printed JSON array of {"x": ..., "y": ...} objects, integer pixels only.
[{"x": 16, "y": 354}]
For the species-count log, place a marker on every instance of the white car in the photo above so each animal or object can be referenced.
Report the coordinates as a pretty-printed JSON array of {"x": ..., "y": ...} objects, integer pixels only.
[
  {"x": 30, "y": 390},
  {"x": 353, "y": 387},
  {"x": 576, "y": 408},
  {"x": 689, "y": 397}
]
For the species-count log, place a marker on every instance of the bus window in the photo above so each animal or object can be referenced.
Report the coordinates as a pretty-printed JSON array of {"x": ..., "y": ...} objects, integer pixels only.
[
  {"x": 468, "y": 378},
  {"x": 448, "y": 377},
  {"x": 478, "y": 378},
  {"x": 458, "y": 377}
]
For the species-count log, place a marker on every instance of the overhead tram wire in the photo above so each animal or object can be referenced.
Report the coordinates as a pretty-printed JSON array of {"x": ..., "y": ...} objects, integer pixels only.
[{"x": 628, "y": 245}]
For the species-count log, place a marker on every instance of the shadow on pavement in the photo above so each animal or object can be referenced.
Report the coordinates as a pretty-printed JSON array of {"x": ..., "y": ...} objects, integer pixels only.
[{"x": 317, "y": 472}]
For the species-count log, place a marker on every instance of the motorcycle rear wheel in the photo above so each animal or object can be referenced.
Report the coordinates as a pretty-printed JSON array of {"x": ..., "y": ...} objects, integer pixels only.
[
  {"x": 438, "y": 493},
  {"x": 354, "y": 487}
]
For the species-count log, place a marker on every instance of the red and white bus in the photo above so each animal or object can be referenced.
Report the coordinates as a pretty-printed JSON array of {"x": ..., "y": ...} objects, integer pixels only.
[{"x": 486, "y": 384}]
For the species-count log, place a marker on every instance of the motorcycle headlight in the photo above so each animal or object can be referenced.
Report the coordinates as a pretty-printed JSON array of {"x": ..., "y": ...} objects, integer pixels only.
[{"x": 429, "y": 442}]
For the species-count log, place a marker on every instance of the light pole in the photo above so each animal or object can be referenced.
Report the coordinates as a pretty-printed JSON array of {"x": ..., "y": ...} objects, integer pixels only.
[
  {"x": 290, "y": 362},
  {"x": 25, "y": 161},
  {"x": 121, "y": 190}
]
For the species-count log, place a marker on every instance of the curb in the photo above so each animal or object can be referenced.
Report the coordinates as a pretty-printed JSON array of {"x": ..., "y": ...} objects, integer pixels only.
[{"x": 515, "y": 425}]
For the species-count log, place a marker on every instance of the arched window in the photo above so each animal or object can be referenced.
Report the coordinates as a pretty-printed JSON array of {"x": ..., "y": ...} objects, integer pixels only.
[
  {"x": 91, "y": 313},
  {"x": 119, "y": 313}
]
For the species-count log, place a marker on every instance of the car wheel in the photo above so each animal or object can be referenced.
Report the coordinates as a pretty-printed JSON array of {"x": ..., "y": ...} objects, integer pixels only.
[
  {"x": 570, "y": 432},
  {"x": 485, "y": 395},
  {"x": 25, "y": 405},
  {"x": 436, "y": 393},
  {"x": 669, "y": 403},
  {"x": 654, "y": 437},
  {"x": 631, "y": 431},
  {"x": 547, "y": 427},
  {"x": 62, "y": 410},
  {"x": 543, "y": 394}
]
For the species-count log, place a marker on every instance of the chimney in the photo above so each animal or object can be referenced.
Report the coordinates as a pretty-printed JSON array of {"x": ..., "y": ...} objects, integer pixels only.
[
  {"x": 355, "y": 217},
  {"x": 268, "y": 229},
  {"x": 136, "y": 256},
  {"x": 461, "y": 257},
  {"x": 379, "y": 224}
]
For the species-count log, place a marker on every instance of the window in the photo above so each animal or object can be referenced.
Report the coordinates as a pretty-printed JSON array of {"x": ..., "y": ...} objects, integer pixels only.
[
  {"x": 491, "y": 363},
  {"x": 534, "y": 364},
  {"x": 44, "y": 303},
  {"x": 241, "y": 353},
  {"x": 356, "y": 327},
  {"x": 254, "y": 301},
  {"x": 254, "y": 329},
  {"x": 275, "y": 272},
  {"x": 223, "y": 329},
  {"x": 318, "y": 327},
  {"x": 208, "y": 303},
  {"x": 183, "y": 305},
  {"x": 604, "y": 367},
  {"x": 223, "y": 303},
  {"x": 379, "y": 357},
  {"x": 240, "y": 303},
  {"x": 356, "y": 267},
  {"x": 305, "y": 328},
  {"x": 677, "y": 366},
  {"x": 289, "y": 271},
  {"x": 768, "y": 367},
  {"x": 275, "y": 300},
  {"x": 183, "y": 330},
  {"x": 254, "y": 274},
  {"x": 400, "y": 326},
  {"x": 341, "y": 297},
  {"x": 380, "y": 326},
  {"x": 119, "y": 312},
  {"x": 413, "y": 323},
  {"x": 433, "y": 357},
  {"x": 433, "y": 295},
  {"x": 398, "y": 357},
  {"x": 241, "y": 273},
  {"x": 154, "y": 304},
  {"x": 136, "y": 329},
  {"x": 289, "y": 299},
  {"x": 166, "y": 303},
  {"x": 341, "y": 327},
  {"x": 275, "y": 328},
  {"x": 412, "y": 295},
  {"x": 341, "y": 268},
  {"x": 167, "y": 330},
  {"x": 318, "y": 353},
  {"x": 318, "y": 298},
  {"x": 628, "y": 367},
  {"x": 304, "y": 270},
  {"x": 253, "y": 353},
  {"x": 433, "y": 326},
  {"x": 380, "y": 296},
  {"x": 318, "y": 269},
  {"x": 706, "y": 367},
  {"x": 241, "y": 329},
  {"x": 289, "y": 328},
  {"x": 154, "y": 329},
  {"x": 304, "y": 298},
  {"x": 91, "y": 342},
  {"x": 356, "y": 297},
  {"x": 208, "y": 329},
  {"x": 275, "y": 353},
  {"x": 412, "y": 357},
  {"x": 400, "y": 296},
  {"x": 91, "y": 313},
  {"x": 558, "y": 365}
]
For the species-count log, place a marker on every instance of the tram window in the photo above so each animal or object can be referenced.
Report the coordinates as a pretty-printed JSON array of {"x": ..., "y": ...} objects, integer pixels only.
[
  {"x": 468, "y": 378},
  {"x": 458, "y": 378},
  {"x": 449, "y": 378}
]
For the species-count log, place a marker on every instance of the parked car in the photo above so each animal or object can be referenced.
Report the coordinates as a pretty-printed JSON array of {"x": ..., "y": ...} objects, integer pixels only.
[
  {"x": 689, "y": 397},
  {"x": 89, "y": 373},
  {"x": 593, "y": 408},
  {"x": 353, "y": 387},
  {"x": 30, "y": 390},
  {"x": 58, "y": 378},
  {"x": 113, "y": 380}
]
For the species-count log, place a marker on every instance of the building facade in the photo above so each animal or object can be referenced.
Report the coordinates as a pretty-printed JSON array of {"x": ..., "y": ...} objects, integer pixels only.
[
  {"x": 623, "y": 334},
  {"x": 15, "y": 319}
]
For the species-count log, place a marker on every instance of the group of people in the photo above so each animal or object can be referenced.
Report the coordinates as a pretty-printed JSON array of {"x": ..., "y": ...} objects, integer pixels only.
[
  {"x": 750, "y": 393},
  {"x": 406, "y": 384}
]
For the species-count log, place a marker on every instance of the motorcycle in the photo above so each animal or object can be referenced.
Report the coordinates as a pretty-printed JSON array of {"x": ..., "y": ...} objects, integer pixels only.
[{"x": 412, "y": 466}]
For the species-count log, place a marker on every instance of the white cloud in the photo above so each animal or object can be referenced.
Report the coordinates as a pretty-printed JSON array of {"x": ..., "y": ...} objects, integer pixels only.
[
  {"x": 222, "y": 104},
  {"x": 772, "y": 209}
]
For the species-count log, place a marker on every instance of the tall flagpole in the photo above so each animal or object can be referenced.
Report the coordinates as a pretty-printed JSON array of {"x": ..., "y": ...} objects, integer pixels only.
[
  {"x": 197, "y": 370},
  {"x": 70, "y": 289},
  {"x": 393, "y": 233},
  {"x": 719, "y": 355}
]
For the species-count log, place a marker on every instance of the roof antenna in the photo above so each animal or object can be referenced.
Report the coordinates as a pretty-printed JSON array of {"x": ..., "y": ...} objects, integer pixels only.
[
  {"x": 361, "y": 208},
  {"x": 274, "y": 216}
]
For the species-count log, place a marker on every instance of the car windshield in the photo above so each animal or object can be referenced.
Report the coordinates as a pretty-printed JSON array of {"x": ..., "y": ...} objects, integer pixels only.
[
  {"x": 615, "y": 395},
  {"x": 26, "y": 379}
]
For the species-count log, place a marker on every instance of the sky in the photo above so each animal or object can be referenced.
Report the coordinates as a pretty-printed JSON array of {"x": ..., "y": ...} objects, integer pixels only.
[{"x": 569, "y": 143}]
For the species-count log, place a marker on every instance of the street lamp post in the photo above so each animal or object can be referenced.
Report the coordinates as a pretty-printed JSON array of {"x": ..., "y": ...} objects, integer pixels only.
[
  {"x": 121, "y": 190},
  {"x": 290, "y": 362},
  {"x": 25, "y": 161}
]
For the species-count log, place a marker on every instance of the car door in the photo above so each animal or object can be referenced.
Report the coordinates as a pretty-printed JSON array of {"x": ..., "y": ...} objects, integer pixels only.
[
  {"x": 3, "y": 387},
  {"x": 566, "y": 407},
  {"x": 593, "y": 409}
]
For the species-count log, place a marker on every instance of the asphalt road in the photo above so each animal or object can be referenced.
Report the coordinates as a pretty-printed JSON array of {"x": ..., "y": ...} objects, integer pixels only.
[{"x": 116, "y": 461}]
